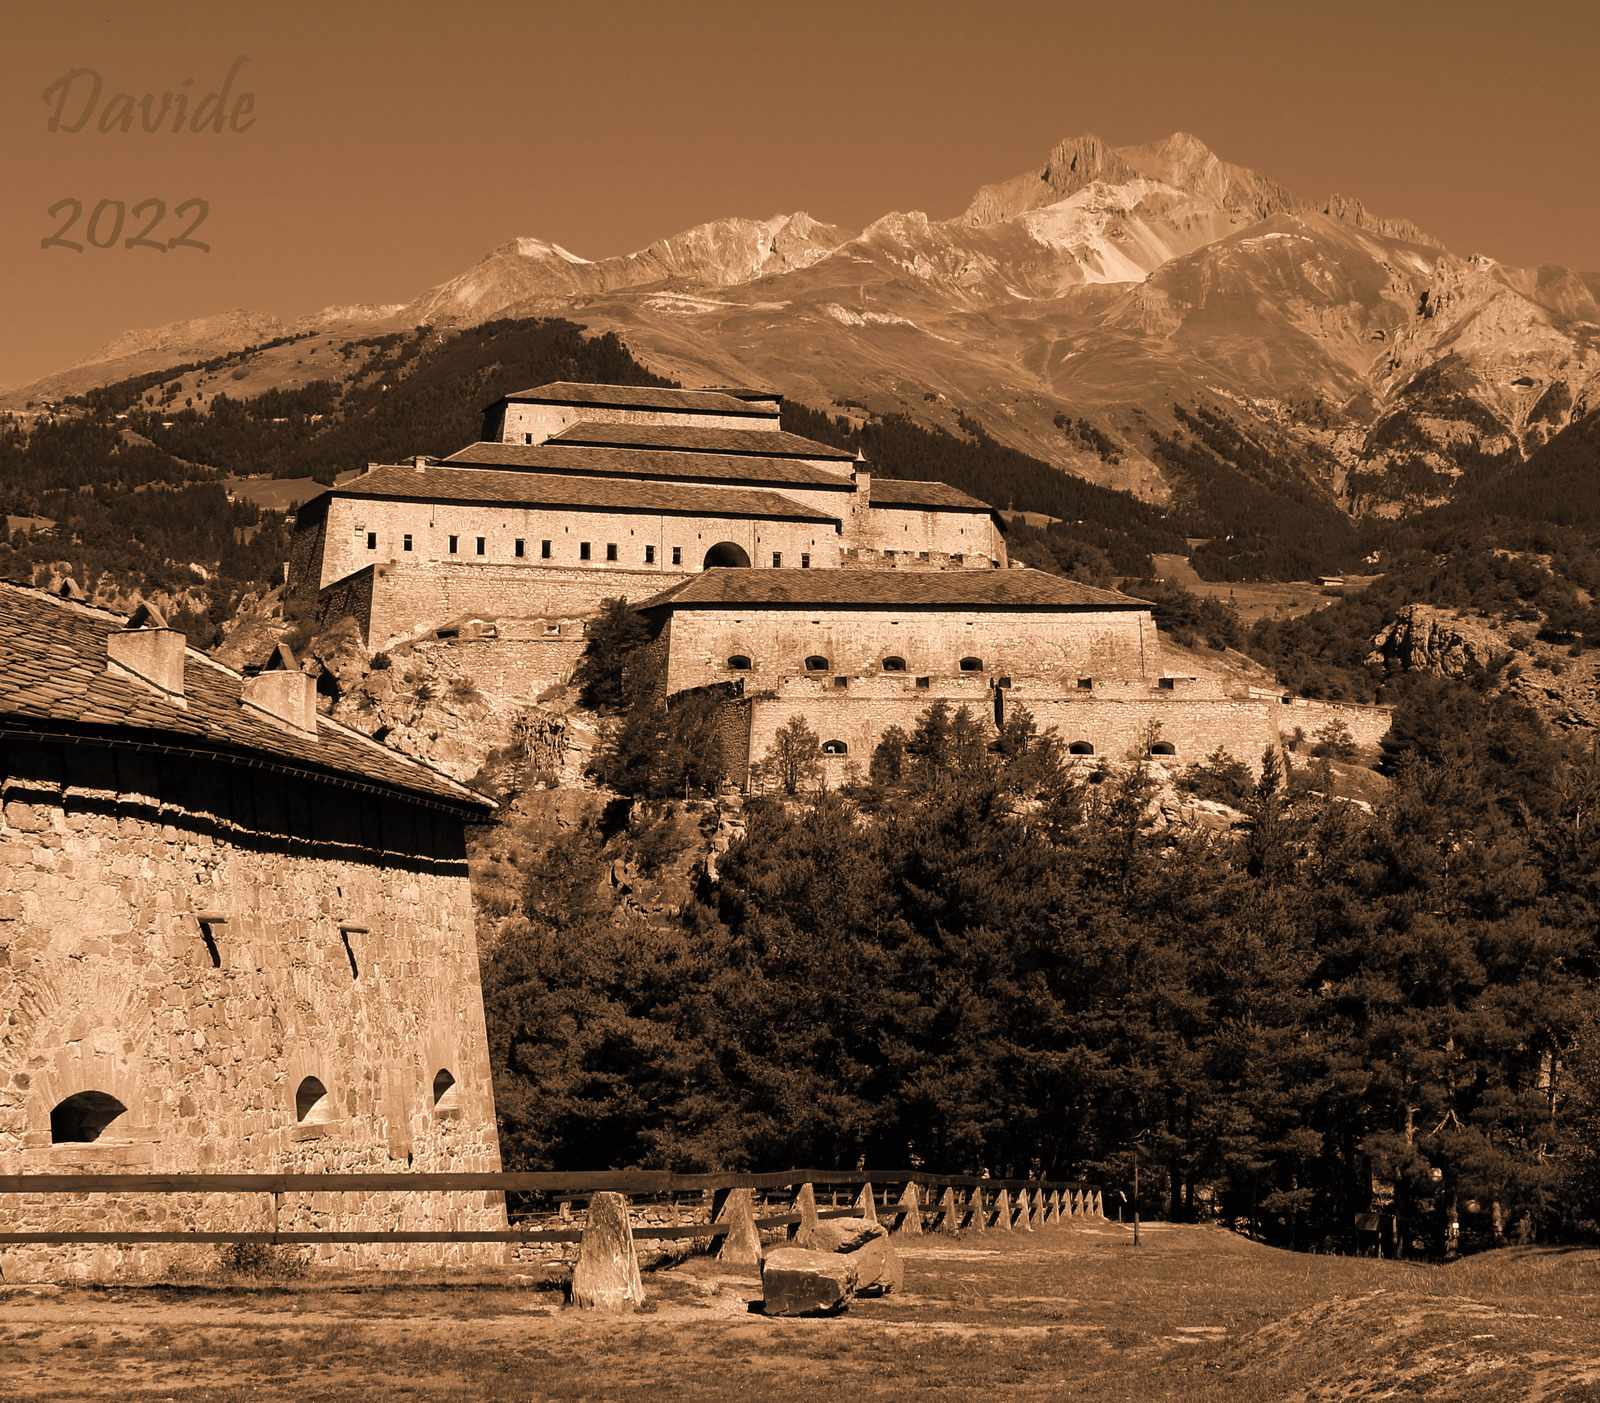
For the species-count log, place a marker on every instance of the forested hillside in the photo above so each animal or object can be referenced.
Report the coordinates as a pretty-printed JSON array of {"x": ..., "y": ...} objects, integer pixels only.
[{"x": 981, "y": 959}]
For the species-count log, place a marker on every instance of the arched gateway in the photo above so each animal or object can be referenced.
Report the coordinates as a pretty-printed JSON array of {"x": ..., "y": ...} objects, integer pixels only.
[{"x": 727, "y": 553}]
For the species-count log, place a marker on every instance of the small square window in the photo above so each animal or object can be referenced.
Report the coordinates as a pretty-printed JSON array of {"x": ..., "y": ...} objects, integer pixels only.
[
  {"x": 519, "y": 548},
  {"x": 405, "y": 543},
  {"x": 677, "y": 555},
  {"x": 777, "y": 560},
  {"x": 481, "y": 544},
  {"x": 544, "y": 550},
  {"x": 372, "y": 540},
  {"x": 923, "y": 683},
  {"x": 583, "y": 550},
  {"x": 455, "y": 541},
  {"x": 611, "y": 550},
  {"x": 527, "y": 438},
  {"x": 841, "y": 681},
  {"x": 649, "y": 555},
  {"x": 805, "y": 560}
]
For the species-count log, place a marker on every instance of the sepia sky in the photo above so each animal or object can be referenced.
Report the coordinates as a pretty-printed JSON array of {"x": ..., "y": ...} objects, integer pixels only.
[{"x": 393, "y": 144}]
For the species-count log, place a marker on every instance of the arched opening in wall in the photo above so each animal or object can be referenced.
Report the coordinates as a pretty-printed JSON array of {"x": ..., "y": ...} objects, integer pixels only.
[
  {"x": 726, "y": 553},
  {"x": 1163, "y": 747},
  {"x": 444, "y": 1090},
  {"x": 816, "y": 663},
  {"x": 894, "y": 664},
  {"x": 83, "y": 1117},
  {"x": 312, "y": 1104},
  {"x": 972, "y": 664},
  {"x": 739, "y": 663},
  {"x": 1080, "y": 747},
  {"x": 835, "y": 747}
]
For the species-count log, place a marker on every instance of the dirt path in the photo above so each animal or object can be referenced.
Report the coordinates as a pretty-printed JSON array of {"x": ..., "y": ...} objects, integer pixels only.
[{"x": 1194, "y": 1314}]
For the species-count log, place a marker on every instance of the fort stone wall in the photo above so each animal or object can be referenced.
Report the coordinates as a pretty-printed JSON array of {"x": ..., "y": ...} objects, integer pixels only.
[
  {"x": 922, "y": 533},
  {"x": 522, "y": 422},
  {"x": 642, "y": 541},
  {"x": 199, "y": 940},
  {"x": 854, "y": 642}
]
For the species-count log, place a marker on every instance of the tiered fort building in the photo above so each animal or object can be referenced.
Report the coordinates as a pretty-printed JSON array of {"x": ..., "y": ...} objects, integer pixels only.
[
  {"x": 235, "y": 937},
  {"x": 775, "y": 568}
]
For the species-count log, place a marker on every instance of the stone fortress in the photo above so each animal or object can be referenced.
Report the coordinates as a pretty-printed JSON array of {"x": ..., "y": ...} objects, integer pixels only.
[
  {"x": 235, "y": 937},
  {"x": 773, "y": 568}
]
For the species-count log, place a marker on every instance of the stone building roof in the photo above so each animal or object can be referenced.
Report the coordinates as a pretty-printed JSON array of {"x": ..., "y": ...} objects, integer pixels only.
[
  {"x": 559, "y": 457},
  {"x": 644, "y": 397},
  {"x": 54, "y": 681},
  {"x": 924, "y": 496},
  {"x": 887, "y": 589},
  {"x": 576, "y": 493},
  {"x": 701, "y": 438}
]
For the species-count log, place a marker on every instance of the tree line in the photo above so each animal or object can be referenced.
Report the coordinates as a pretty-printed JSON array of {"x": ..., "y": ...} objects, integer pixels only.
[{"x": 979, "y": 956}]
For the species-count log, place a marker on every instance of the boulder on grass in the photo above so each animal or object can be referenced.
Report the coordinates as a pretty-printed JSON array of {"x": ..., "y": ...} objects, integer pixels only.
[
  {"x": 839, "y": 1234},
  {"x": 878, "y": 1268},
  {"x": 866, "y": 1244},
  {"x": 797, "y": 1281}
]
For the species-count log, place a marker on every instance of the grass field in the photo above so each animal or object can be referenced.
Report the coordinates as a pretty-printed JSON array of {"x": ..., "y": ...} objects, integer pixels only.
[{"x": 1070, "y": 1313}]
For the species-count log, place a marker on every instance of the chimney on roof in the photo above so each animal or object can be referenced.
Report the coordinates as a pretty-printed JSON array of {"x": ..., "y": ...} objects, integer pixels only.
[
  {"x": 68, "y": 589},
  {"x": 419, "y": 462},
  {"x": 147, "y": 649},
  {"x": 283, "y": 693}
]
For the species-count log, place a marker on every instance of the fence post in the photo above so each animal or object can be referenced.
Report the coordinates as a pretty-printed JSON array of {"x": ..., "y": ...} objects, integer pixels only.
[
  {"x": 805, "y": 1204},
  {"x": 1049, "y": 1217},
  {"x": 977, "y": 1214},
  {"x": 949, "y": 1212},
  {"x": 741, "y": 1244},
  {"x": 1002, "y": 1211},
  {"x": 1099, "y": 1204},
  {"x": 1076, "y": 1203},
  {"x": 607, "y": 1274},
  {"x": 865, "y": 1205},
  {"x": 910, "y": 1212}
]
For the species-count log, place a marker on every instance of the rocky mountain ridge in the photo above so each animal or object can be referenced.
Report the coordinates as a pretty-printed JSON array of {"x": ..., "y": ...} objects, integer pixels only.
[{"x": 1363, "y": 361}]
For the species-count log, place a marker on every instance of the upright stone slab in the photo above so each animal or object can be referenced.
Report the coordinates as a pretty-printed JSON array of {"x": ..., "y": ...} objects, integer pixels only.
[
  {"x": 805, "y": 1204},
  {"x": 740, "y": 1246},
  {"x": 1002, "y": 1211},
  {"x": 1024, "y": 1220},
  {"x": 1077, "y": 1203},
  {"x": 1052, "y": 1212},
  {"x": 949, "y": 1212},
  {"x": 910, "y": 1213},
  {"x": 1099, "y": 1205},
  {"x": 607, "y": 1274},
  {"x": 977, "y": 1214},
  {"x": 865, "y": 1205}
]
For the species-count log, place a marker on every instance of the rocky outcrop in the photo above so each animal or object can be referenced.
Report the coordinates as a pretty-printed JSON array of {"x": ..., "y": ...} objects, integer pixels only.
[{"x": 1424, "y": 638}]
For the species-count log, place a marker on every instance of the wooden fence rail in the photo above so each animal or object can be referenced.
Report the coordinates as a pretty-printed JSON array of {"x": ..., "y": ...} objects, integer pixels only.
[{"x": 569, "y": 1187}]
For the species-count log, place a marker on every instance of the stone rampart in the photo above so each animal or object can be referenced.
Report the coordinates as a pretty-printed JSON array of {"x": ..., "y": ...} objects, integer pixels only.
[
  {"x": 522, "y": 422},
  {"x": 1368, "y": 725},
  {"x": 199, "y": 941}
]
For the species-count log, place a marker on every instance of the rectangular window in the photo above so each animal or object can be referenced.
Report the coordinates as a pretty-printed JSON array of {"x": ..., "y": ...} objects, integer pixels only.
[
  {"x": 372, "y": 540},
  {"x": 805, "y": 560},
  {"x": 520, "y": 548},
  {"x": 611, "y": 550},
  {"x": 649, "y": 555},
  {"x": 454, "y": 542},
  {"x": 777, "y": 560},
  {"x": 527, "y": 438},
  {"x": 405, "y": 544},
  {"x": 481, "y": 544},
  {"x": 677, "y": 555},
  {"x": 583, "y": 550},
  {"x": 544, "y": 550}
]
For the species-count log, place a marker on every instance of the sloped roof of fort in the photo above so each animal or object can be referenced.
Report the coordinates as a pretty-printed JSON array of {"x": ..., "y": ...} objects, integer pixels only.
[
  {"x": 701, "y": 438},
  {"x": 53, "y": 679},
  {"x": 558, "y": 457},
  {"x": 888, "y": 589},
  {"x": 575, "y": 493},
  {"x": 640, "y": 397},
  {"x": 927, "y": 496}
]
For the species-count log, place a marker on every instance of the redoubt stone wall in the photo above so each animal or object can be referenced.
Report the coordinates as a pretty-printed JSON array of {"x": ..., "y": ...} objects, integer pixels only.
[
  {"x": 534, "y": 423},
  {"x": 854, "y": 642},
  {"x": 196, "y": 940}
]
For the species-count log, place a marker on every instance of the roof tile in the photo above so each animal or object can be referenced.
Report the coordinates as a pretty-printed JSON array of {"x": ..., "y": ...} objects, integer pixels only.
[{"x": 889, "y": 589}]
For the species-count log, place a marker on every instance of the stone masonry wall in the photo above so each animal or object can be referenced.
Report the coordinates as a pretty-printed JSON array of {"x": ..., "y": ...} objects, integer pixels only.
[
  {"x": 1368, "y": 724},
  {"x": 854, "y": 642},
  {"x": 408, "y": 599},
  {"x": 430, "y": 526},
  {"x": 534, "y": 423},
  {"x": 344, "y": 950},
  {"x": 349, "y": 598},
  {"x": 1113, "y": 719},
  {"x": 907, "y": 531}
]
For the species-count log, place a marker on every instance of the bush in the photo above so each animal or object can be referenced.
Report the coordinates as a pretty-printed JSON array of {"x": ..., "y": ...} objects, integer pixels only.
[
  {"x": 1219, "y": 778},
  {"x": 261, "y": 1260},
  {"x": 1334, "y": 742}
]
